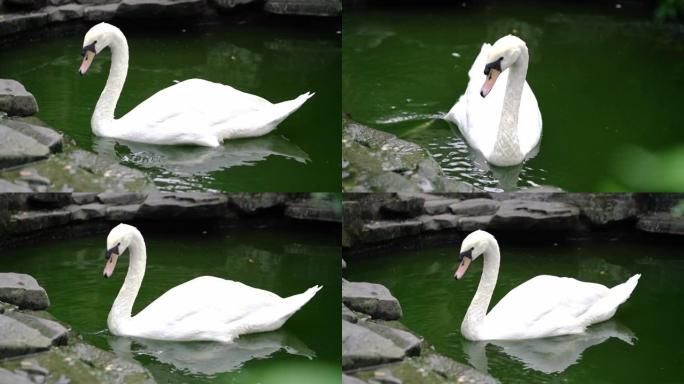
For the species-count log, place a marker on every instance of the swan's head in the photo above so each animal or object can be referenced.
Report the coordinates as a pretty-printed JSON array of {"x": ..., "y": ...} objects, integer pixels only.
[
  {"x": 472, "y": 247},
  {"x": 96, "y": 39},
  {"x": 500, "y": 57},
  {"x": 118, "y": 241}
]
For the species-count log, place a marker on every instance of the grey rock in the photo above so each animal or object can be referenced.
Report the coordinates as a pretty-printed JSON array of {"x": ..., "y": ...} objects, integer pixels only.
[
  {"x": 402, "y": 339},
  {"x": 121, "y": 198},
  {"x": 97, "y": 2},
  {"x": 436, "y": 207},
  {"x": 349, "y": 315},
  {"x": 17, "y": 148},
  {"x": 51, "y": 200},
  {"x": 8, "y": 187},
  {"x": 81, "y": 198},
  {"x": 19, "y": 339},
  {"x": 122, "y": 213},
  {"x": 313, "y": 210},
  {"x": 304, "y": 7},
  {"x": 517, "y": 215},
  {"x": 662, "y": 222},
  {"x": 401, "y": 205},
  {"x": 32, "y": 221},
  {"x": 377, "y": 231},
  {"x": 53, "y": 330},
  {"x": 230, "y": 4},
  {"x": 17, "y": 22},
  {"x": 362, "y": 347},
  {"x": 372, "y": 299},
  {"x": 24, "y": 4},
  {"x": 346, "y": 379},
  {"x": 104, "y": 12},
  {"x": 475, "y": 207},
  {"x": 183, "y": 205},
  {"x": 160, "y": 8},
  {"x": 473, "y": 223},
  {"x": 252, "y": 202},
  {"x": 23, "y": 291},
  {"x": 15, "y": 100},
  {"x": 59, "y": 2},
  {"x": 64, "y": 12},
  {"x": 87, "y": 211},
  {"x": 7, "y": 377},
  {"x": 445, "y": 221},
  {"x": 602, "y": 208},
  {"x": 34, "y": 179}
]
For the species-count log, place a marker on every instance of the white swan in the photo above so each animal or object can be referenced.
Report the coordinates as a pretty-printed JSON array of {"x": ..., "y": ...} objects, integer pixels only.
[
  {"x": 195, "y": 111},
  {"x": 205, "y": 308},
  {"x": 543, "y": 306},
  {"x": 503, "y": 123}
]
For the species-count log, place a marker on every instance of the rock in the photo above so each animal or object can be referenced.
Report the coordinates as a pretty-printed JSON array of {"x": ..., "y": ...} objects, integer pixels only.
[
  {"x": 372, "y": 299},
  {"x": 160, "y": 8},
  {"x": 362, "y": 347},
  {"x": 401, "y": 206},
  {"x": 121, "y": 198},
  {"x": 378, "y": 231},
  {"x": 65, "y": 12},
  {"x": 60, "y": 2},
  {"x": 7, "y": 377},
  {"x": 351, "y": 380},
  {"x": 436, "y": 207},
  {"x": 517, "y": 215},
  {"x": 314, "y": 210},
  {"x": 87, "y": 211},
  {"x": 24, "y": 4},
  {"x": 349, "y": 315},
  {"x": 230, "y": 4},
  {"x": 17, "y": 148},
  {"x": 438, "y": 222},
  {"x": 122, "y": 213},
  {"x": 81, "y": 198},
  {"x": 402, "y": 339},
  {"x": 473, "y": 223},
  {"x": 662, "y": 222},
  {"x": 18, "y": 339},
  {"x": 51, "y": 200},
  {"x": 15, "y": 100},
  {"x": 17, "y": 22},
  {"x": 23, "y": 291},
  {"x": 252, "y": 202},
  {"x": 97, "y": 2},
  {"x": 602, "y": 208},
  {"x": 475, "y": 207},
  {"x": 304, "y": 7},
  {"x": 183, "y": 205},
  {"x": 7, "y": 187},
  {"x": 53, "y": 330},
  {"x": 31, "y": 221},
  {"x": 104, "y": 12}
]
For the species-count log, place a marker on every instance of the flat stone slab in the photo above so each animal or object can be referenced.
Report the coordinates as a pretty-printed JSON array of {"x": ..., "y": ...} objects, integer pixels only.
[
  {"x": 17, "y": 22},
  {"x": 315, "y": 210},
  {"x": 362, "y": 347},
  {"x": 377, "y": 231},
  {"x": 662, "y": 222},
  {"x": 402, "y": 339},
  {"x": 44, "y": 135},
  {"x": 31, "y": 221},
  {"x": 372, "y": 299},
  {"x": 304, "y": 7},
  {"x": 159, "y": 8},
  {"x": 17, "y": 148},
  {"x": 7, "y": 377},
  {"x": 53, "y": 330},
  {"x": 186, "y": 205},
  {"x": 19, "y": 339},
  {"x": 15, "y": 100},
  {"x": 436, "y": 207},
  {"x": 121, "y": 198},
  {"x": 473, "y": 223},
  {"x": 475, "y": 207},
  {"x": 66, "y": 12},
  {"x": 349, "y": 315},
  {"x": 346, "y": 379},
  {"x": 518, "y": 215},
  {"x": 23, "y": 291},
  {"x": 87, "y": 211}
]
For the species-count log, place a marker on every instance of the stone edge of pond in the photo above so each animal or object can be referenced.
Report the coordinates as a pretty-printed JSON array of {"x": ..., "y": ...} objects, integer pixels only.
[
  {"x": 375, "y": 222},
  {"x": 28, "y": 216},
  {"x": 35, "y": 347},
  {"x": 374, "y": 160},
  {"x": 377, "y": 348}
]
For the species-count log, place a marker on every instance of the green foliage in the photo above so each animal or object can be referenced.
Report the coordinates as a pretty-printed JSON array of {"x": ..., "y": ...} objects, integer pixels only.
[{"x": 670, "y": 10}]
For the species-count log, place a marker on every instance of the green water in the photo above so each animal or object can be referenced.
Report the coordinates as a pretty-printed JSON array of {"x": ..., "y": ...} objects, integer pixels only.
[
  {"x": 269, "y": 57},
  {"x": 434, "y": 305},
  {"x": 607, "y": 80},
  {"x": 284, "y": 261}
]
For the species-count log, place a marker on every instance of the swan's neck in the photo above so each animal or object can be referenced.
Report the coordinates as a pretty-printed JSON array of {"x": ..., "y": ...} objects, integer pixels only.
[
  {"x": 123, "y": 304},
  {"x": 478, "y": 307},
  {"x": 103, "y": 116},
  {"x": 507, "y": 145}
]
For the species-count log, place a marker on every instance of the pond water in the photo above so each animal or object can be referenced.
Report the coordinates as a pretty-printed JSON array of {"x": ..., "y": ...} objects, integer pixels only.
[
  {"x": 269, "y": 57},
  {"x": 607, "y": 81},
  {"x": 434, "y": 305},
  {"x": 286, "y": 261}
]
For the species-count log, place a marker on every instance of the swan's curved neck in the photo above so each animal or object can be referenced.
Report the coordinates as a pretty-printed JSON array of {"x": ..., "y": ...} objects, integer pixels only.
[
  {"x": 490, "y": 272},
  {"x": 104, "y": 110},
  {"x": 507, "y": 144},
  {"x": 123, "y": 304}
]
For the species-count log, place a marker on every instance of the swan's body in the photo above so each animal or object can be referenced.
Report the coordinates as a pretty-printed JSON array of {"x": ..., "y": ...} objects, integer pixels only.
[
  {"x": 196, "y": 112},
  {"x": 205, "y": 308},
  {"x": 543, "y": 306},
  {"x": 501, "y": 119}
]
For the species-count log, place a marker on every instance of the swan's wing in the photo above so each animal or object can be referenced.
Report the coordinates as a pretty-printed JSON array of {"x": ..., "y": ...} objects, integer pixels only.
[
  {"x": 529, "y": 121},
  {"x": 544, "y": 305}
]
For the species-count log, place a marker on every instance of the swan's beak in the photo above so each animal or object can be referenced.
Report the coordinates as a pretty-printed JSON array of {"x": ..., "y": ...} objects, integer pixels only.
[
  {"x": 489, "y": 83},
  {"x": 88, "y": 58},
  {"x": 466, "y": 258},
  {"x": 112, "y": 255}
]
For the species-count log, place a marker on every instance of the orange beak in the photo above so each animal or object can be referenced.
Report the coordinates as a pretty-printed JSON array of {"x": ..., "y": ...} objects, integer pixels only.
[
  {"x": 489, "y": 83},
  {"x": 88, "y": 58},
  {"x": 109, "y": 267}
]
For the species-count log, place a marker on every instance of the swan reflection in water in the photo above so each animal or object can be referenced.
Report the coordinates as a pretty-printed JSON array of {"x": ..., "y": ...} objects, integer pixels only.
[
  {"x": 209, "y": 358},
  {"x": 191, "y": 161},
  {"x": 552, "y": 354}
]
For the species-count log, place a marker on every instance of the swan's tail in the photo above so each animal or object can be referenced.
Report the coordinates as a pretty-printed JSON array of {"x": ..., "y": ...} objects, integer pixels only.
[
  {"x": 284, "y": 109},
  {"x": 605, "y": 308}
]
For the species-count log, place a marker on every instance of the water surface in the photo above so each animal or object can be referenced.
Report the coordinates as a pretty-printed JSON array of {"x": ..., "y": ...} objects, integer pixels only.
[
  {"x": 269, "y": 57},
  {"x": 284, "y": 261},
  {"x": 434, "y": 304},
  {"x": 607, "y": 81}
]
